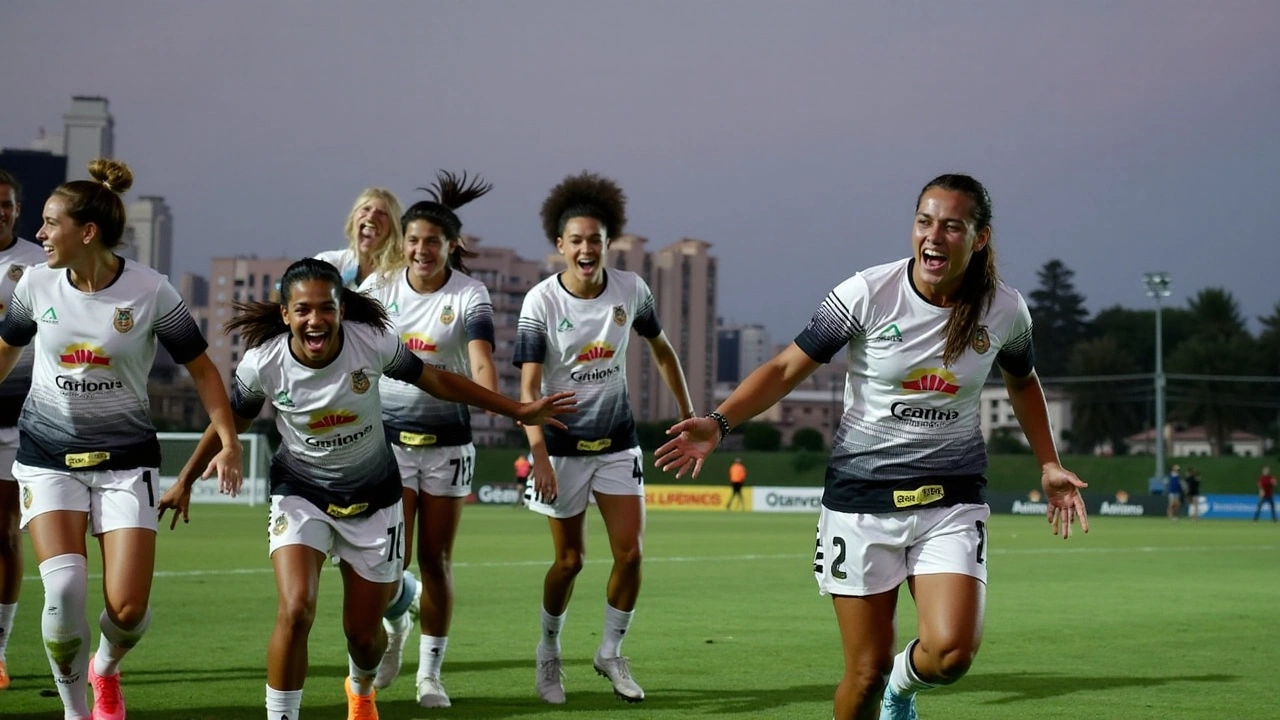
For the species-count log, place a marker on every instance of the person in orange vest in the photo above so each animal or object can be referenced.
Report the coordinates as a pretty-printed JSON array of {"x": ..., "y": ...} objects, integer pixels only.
[
  {"x": 523, "y": 467},
  {"x": 737, "y": 478}
]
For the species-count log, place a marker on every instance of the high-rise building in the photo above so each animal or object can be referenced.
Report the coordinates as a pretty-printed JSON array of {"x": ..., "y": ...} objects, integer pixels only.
[
  {"x": 148, "y": 233},
  {"x": 740, "y": 349},
  {"x": 89, "y": 133},
  {"x": 194, "y": 289},
  {"x": 40, "y": 172},
  {"x": 235, "y": 279}
]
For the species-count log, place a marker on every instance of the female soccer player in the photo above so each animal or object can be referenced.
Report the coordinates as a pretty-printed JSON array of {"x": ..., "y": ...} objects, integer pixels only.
[
  {"x": 572, "y": 335},
  {"x": 335, "y": 488},
  {"x": 446, "y": 319},
  {"x": 904, "y": 488},
  {"x": 16, "y": 256},
  {"x": 372, "y": 235},
  {"x": 88, "y": 456}
]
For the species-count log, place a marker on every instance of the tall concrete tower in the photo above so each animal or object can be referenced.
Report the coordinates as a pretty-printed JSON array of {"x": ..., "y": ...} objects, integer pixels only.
[
  {"x": 89, "y": 132},
  {"x": 148, "y": 234}
]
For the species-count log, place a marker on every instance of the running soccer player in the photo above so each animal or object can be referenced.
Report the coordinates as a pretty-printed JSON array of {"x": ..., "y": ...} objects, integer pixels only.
[
  {"x": 904, "y": 497},
  {"x": 572, "y": 334},
  {"x": 88, "y": 456},
  {"x": 16, "y": 257},
  {"x": 446, "y": 319},
  {"x": 318, "y": 358},
  {"x": 372, "y": 234}
]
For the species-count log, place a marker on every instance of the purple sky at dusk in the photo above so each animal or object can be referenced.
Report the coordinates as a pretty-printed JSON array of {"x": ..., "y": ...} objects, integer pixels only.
[{"x": 1120, "y": 137}]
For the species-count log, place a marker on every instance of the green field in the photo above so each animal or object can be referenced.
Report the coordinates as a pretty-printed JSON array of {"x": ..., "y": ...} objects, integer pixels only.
[{"x": 1142, "y": 618}]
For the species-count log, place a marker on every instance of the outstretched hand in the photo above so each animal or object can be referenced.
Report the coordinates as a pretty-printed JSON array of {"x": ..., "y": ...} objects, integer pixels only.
[
  {"x": 227, "y": 466},
  {"x": 694, "y": 440},
  {"x": 544, "y": 410},
  {"x": 178, "y": 499},
  {"x": 1062, "y": 495}
]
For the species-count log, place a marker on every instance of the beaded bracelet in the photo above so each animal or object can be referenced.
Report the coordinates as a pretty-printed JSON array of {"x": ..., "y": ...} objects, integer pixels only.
[{"x": 720, "y": 420}]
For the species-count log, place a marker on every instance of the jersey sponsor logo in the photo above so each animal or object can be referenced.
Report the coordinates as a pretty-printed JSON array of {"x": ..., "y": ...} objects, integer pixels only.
[
  {"x": 328, "y": 419},
  {"x": 76, "y": 385},
  {"x": 83, "y": 355},
  {"x": 49, "y": 316},
  {"x": 564, "y": 326},
  {"x": 417, "y": 439},
  {"x": 931, "y": 380},
  {"x": 919, "y": 496},
  {"x": 619, "y": 315},
  {"x": 15, "y": 272},
  {"x": 594, "y": 445},
  {"x": 283, "y": 399},
  {"x": 890, "y": 334},
  {"x": 123, "y": 320},
  {"x": 981, "y": 340},
  {"x": 923, "y": 416},
  {"x": 76, "y": 461},
  {"x": 280, "y": 525},
  {"x": 446, "y": 315},
  {"x": 598, "y": 350},
  {"x": 418, "y": 343},
  {"x": 340, "y": 511},
  {"x": 359, "y": 382}
]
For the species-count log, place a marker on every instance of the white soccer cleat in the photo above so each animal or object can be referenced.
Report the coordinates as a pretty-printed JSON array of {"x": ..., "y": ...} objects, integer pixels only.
[
  {"x": 398, "y": 631},
  {"x": 431, "y": 693},
  {"x": 551, "y": 680},
  {"x": 618, "y": 671}
]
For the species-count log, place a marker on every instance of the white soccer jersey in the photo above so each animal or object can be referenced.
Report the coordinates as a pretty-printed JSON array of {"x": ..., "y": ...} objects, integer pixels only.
[
  {"x": 14, "y": 261},
  {"x": 582, "y": 345},
  {"x": 346, "y": 261},
  {"x": 437, "y": 327},
  {"x": 333, "y": 450},
  {"x": 88, "y": 406},
  {"x": 910, "y": 433}
]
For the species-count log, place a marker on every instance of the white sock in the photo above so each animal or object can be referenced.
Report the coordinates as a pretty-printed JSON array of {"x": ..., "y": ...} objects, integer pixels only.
[
  {"x": 616, "y": 623},
  {"x": 361, "y": 679},
  {"x": 549, "y": 646},
  {"x": 116, "y": 642},
  {"x": 431, "y": 655},
  {"x": 65, "y": 629},
  {"x": 283, "y": 704},
  {"x": 6, "y": 625},
  {"x": 903, "y": 679}
]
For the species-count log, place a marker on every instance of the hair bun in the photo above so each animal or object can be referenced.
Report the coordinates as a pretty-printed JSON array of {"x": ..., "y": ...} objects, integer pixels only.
[{"x": 113, "y": 174}]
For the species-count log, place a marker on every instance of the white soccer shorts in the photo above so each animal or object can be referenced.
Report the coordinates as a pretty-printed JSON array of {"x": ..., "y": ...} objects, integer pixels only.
[
  {"x": 437, "y": 471},
  {"x": 577, "y": 477},
  {"x": 373, "y": 546},
  {"x": 114, "y": 499}
]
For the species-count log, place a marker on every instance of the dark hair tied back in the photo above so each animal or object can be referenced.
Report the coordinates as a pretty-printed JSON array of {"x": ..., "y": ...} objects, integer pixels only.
[
  {"x": 258, "y": 322},
  {"x": 448, "y": 193}
]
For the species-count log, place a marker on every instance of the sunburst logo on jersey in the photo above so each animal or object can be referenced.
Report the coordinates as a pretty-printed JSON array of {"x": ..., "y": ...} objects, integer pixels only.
[
  {"x": 123, "y": 320},
  {"x": 15, "y": 272},
  {"x": 598, "y": 350},
  {"x": 931, "y": 380},
  {"x": 418, "y": 343},
  {"x": 328, "y": 419},
  {"x": 82, "y": 355},
  {"x": 359, "y": 382},
  {"x": 619, "y": 315},
  {"x": 446, "y": 315}
]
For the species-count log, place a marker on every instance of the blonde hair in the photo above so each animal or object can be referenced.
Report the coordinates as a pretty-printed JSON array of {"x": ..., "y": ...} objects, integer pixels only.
[{"x": 391, "y": 244}]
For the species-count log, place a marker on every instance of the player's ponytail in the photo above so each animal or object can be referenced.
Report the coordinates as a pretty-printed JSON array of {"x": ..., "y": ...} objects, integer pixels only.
[
  {"x": 258, "y": 322},
  {"x": 448, "y": 193}
]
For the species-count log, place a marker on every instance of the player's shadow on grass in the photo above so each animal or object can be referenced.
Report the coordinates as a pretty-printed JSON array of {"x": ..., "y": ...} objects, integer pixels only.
[
  {"x": 409, "y": 668},
  {"x": 1030, "y": 686}
]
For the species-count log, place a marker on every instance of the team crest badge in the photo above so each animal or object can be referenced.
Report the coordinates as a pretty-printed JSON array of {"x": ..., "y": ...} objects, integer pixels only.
[
  {"x": 619, "y": 314},
  {"x": 15, "y": 272},
  {"x": 359, "y": 382},
  {"x": 280, "y": 525},
  {"x": 123, "y": 321},
  {"x": 26, "y": 498},
  {"x": 446, "y": 315},
  {"x": 981, "y": 341}
]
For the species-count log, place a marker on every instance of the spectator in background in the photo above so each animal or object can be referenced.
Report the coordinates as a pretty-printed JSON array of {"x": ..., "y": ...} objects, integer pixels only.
[
  {"x": 1266, "y": 493},
  {"x": 1192, "y": 486},
  {"x": 1173, "y": 487},
  {"x": 737, "y": 478},
  {"x": 522, "y": 466}
]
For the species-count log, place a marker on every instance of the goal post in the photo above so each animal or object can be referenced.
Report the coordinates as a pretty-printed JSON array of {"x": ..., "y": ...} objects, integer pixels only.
[{"x": 176, "y": 449}]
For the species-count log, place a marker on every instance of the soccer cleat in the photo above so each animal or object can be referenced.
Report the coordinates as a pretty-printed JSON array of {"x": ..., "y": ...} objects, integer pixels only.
[
  {"x": 618, "y": 671},
  {"x": 431, "y": 693},
  {"x": 398, "y": 631},
  {"x": 108, "y": 703},
  {"x": 360, "y": 707},
  {"x": 896, "y": 707},
  {"x": 551, "y": 680},
  {"x": 4, "y": 676}
]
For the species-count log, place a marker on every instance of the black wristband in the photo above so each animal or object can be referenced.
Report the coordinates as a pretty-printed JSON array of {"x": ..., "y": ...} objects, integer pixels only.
[{"x": 721, "y": 420}]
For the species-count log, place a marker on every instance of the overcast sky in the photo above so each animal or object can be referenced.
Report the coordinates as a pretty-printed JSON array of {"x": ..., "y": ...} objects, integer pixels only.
[{"x": 1120, "y": 137}]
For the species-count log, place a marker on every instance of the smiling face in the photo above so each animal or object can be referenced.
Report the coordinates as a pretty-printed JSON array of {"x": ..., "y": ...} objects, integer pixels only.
[
  {"x": 9, "y": 209},
  {"x": 943, "y": 240},
  {"x": 426, "y": 251},
  {"x": 370, "y": 223},
  {"x": 584, "y": 243},
  {"x": 63, "y": 239},
  {"x": 313, "y": 311}
]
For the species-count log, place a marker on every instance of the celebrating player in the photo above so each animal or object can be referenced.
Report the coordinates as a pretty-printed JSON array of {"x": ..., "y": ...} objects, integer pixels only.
[
  {"x": 572, "y": 334},
  {"x": 372, "y": 236},
  {"x": 318, "y": 358},
  {"x": 904, "y": 497},
  {"x": 88, "y": 456},
  {"x": 446, "y": 319}
]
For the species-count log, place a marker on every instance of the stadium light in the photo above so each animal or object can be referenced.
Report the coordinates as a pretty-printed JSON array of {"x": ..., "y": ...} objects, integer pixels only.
[{"x": 1158, "y": 287}]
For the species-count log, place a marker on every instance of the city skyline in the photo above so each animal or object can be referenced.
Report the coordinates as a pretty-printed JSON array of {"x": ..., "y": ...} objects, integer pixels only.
[{"x": 1115, "y": 137}]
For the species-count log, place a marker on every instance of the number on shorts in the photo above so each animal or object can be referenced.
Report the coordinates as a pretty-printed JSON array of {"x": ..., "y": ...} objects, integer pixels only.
[
  {"x": 836, "y": 571},
  {"x": 393, "y": 551},
  {"x": 982, "y": 542},
  {"x": 151, "y": 491},
  {"x": 637, "y": 472},
  {"x": 462, "y": 470}
]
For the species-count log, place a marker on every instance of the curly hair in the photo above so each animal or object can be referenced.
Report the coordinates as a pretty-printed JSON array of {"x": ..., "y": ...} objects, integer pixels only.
[{"x": 587, "y": 194}]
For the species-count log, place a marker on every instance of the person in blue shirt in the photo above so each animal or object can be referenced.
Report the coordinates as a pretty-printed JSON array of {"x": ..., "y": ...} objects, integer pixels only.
[{"x": 1173, "y": 488}]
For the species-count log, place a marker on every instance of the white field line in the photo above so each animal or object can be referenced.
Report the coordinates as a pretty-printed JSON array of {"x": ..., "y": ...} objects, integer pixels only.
[{"x": 747, "y": 558}]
